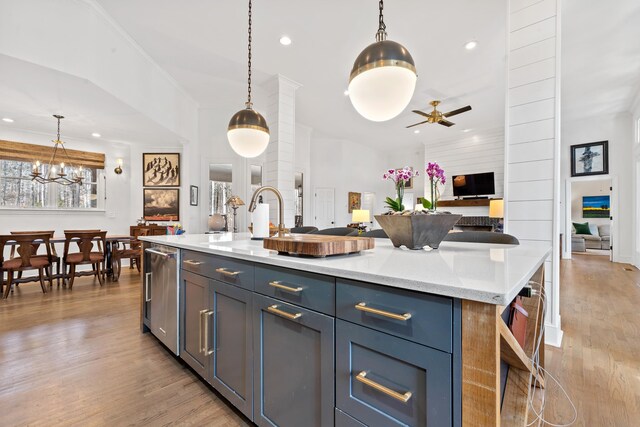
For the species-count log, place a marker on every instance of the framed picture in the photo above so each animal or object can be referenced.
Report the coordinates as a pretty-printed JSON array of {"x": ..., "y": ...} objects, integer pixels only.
[
  {"x": 590, "y": 159},
  {"x": 409, "y": 184},
  {"x": 355, "y": 201},
  {"x": 193, "y": 195},
  {"x": 161, "y": 170},
  {"x": 596, "y": 207},
  {"x": 161, "y": 204}
]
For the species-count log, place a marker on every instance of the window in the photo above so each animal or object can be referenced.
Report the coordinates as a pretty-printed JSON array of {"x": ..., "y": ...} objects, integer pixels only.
[
  {"x": 220, "y": 180},
  {"x": 17, "y": 190}
]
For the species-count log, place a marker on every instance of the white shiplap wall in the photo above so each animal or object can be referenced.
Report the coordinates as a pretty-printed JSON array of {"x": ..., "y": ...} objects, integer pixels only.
[
  {"x": 472, "y": 153},
  {"x": 532, "y": 130}
]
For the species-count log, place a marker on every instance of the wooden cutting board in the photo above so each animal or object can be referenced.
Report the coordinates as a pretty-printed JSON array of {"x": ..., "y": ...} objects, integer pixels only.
[{"x": 318, "y": 245}]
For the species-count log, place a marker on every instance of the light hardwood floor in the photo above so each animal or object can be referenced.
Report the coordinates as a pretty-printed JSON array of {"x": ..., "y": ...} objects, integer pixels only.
[{"x": 78, "y": 357}]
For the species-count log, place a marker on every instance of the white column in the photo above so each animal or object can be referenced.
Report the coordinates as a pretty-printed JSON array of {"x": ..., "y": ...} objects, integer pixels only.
[
  {"x": 532, "y": 172},
  {"x": 280, "y": 158}
]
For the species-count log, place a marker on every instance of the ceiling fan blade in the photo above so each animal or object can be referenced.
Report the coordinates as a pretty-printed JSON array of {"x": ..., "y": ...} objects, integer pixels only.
[
  {"x": 422, "y": 113},
  {"x": 458, "y": 111},
  {"x": 416, "y": 124},
  {"x": 446, "y": 123}
]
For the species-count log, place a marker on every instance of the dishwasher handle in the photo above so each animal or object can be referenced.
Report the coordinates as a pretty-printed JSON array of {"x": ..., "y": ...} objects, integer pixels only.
[{"x": 162, "y": 254}]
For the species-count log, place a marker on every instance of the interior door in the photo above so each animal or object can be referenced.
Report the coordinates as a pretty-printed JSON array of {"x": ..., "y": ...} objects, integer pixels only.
[{"x": 324, "y": 208}]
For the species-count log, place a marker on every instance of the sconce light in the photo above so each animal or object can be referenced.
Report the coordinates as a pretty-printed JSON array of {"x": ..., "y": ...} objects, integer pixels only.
[{"x": 118, "y": 169}]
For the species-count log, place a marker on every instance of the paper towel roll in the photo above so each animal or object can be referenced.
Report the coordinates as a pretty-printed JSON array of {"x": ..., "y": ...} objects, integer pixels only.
[{"x": 260, "y": 218}]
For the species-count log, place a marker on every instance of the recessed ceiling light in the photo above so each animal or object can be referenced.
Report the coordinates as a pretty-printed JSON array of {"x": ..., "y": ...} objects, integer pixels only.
[
  {"x": 96, "y": 135},
  {"x": 285, "y": 41},
  {"x": 466, "y": 130},
  {"x": 7, "y": 119},
  {"x": 470, "y": 45},
  {"x": 416, "y": 131},
  {"x": 346, "y": 93}
]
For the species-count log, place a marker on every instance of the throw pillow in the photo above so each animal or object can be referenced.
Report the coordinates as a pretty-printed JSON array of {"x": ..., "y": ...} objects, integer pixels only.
[
  {"x": 594, "y": 229},
  {"x": 582, "y": 228}
]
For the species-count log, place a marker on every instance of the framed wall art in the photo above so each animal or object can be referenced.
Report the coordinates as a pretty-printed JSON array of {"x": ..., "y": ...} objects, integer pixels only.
[
  {"x": 590, "y": 159},
  {"x": 596, "y": 206},
  {"x": 355, "y": 201},
  {"x": 161, "y": 204},
  {"x": 193, "y": 195},
  {"x": 161, "y": 170}
]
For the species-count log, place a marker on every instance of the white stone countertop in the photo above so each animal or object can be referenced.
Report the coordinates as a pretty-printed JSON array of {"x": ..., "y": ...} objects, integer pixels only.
[{"x": 490, "y": 273}]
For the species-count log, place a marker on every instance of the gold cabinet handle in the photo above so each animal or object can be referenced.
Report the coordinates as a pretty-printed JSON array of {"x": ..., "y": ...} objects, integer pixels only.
[
  {"x": 227, "y": 272},
  {"x": 200, "y": 347},
  {"x": 362, "y": 306},
  {"x": 402, "y": 397},
  {"x": 192, "y": 262},
  {"x": 277, "y": 284},
  {"x": 274, "y": 309}
]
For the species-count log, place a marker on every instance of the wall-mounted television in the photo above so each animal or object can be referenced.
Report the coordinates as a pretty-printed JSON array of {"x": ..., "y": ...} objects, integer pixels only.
[{"x": 477, "y": 184}]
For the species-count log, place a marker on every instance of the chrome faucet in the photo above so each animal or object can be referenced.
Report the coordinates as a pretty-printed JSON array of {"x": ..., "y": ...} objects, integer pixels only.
[{"x": 282, "y": 231}]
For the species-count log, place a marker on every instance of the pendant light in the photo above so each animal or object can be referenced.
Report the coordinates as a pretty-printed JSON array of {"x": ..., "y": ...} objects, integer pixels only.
[
  {"x": 383, "y": 77},
  {"x": 248, "y": 133}
]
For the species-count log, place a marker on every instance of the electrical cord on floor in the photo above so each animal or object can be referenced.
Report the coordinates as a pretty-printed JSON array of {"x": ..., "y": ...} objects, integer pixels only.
[{"x": 539, "y": 370}]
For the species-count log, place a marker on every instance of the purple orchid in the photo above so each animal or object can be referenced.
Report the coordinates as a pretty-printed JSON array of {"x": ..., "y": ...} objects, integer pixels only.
[{"x": 436, "y": 176}]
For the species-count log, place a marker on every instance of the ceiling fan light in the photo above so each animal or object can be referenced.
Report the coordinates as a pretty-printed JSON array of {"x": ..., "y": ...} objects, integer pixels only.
[
  {"x": 248, "y": 133},
  {"x": 382, "y": 80}
]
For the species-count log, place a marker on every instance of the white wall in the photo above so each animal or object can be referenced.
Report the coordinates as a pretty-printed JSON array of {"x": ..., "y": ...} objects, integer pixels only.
[
  {"x": 618, "y": 129},
  {"x": 348, "y": 166},
  {"x": 635, "y": 166},
  {"x": 581, "y": 189},
  {"x": 118, "y": 213}
]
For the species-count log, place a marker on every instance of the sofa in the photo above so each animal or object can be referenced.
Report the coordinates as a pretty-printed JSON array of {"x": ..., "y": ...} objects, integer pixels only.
[{"x": 600, "y": 238}]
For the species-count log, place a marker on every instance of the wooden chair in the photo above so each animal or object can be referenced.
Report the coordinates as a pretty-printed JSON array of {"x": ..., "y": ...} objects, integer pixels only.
[
  {"x": 26, "y": 260},
  {"x": 55, "y": 258},
  {"x": 133, "y": 252},
  {"x": 86, "y": 255}
]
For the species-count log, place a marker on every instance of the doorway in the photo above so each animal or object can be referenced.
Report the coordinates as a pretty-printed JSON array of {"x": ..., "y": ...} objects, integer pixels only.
[
  {"x": 324, "y": 208},
  {"x": 590, "y": 205}
]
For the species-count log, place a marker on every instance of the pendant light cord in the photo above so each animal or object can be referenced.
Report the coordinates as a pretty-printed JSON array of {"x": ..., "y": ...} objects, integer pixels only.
[
  {"x": 58, "y": 129},
  {"x": 249, "y": 60},
  {"x": 382, "y": 28}
]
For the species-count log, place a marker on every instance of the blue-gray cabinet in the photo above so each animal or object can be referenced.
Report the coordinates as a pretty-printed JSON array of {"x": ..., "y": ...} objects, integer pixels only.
[
  {"x": 293, "y": 365},
  {"x": 232, "y": 369},
  {"x": 382, "y": 380},
  {"x": 195, "y": 323}
]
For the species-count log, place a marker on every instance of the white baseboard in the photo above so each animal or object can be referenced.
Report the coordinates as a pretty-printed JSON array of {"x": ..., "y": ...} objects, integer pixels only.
[
  {"x": 553, "y": 335},
  {"x": 625, "y": 259}
]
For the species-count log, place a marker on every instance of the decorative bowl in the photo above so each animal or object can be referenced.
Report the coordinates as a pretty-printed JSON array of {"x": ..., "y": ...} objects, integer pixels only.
[{"x": 415, "y": 231}]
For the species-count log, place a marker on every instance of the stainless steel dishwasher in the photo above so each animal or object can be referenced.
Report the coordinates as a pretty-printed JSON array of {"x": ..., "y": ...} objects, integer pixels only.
[{"x": 161, "y": 294}]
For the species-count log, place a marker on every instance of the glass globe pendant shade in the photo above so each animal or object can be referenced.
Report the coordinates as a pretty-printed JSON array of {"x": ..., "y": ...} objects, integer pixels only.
[
  {"x": 382, "y": 81},
  {"x": 248, "y": 133}
]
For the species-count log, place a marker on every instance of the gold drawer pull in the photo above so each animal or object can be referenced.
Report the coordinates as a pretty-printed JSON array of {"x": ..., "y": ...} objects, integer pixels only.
[
  {"x": 274, "y": 309},
  {"x": 277, "y": 284},
  {"x": 192, "y": 262},
  {"x": 402, "y": 397},
  {"x": 362, "y": 306},
  {"x": 227, "y": 272}
]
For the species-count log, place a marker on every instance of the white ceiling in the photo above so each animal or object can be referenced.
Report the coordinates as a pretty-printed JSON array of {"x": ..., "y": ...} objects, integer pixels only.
[
  {"x": 31, "y": 94},
  {"x": 600, "y": 57},
  {"x": 202, "y": 44}
]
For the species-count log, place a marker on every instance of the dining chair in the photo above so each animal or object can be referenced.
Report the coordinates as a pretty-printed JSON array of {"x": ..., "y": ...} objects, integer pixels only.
[
  {"x": 55, "y": 258},
  {"x": 133, "y": 252},
  {"x": 482, "y": 237},
  {"x": 337, "y": 231},
  {"x": 303, "y": 230},
  {"x": 86, "y": 240},
  {"x": 27, "y": 246}
]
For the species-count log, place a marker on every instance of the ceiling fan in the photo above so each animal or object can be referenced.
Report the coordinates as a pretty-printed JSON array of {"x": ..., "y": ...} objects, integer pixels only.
[{"x": 437, "y": 117}]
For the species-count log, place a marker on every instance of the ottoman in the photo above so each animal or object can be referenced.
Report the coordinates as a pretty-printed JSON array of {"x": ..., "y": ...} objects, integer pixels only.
[{"x": 577, "y": 244}]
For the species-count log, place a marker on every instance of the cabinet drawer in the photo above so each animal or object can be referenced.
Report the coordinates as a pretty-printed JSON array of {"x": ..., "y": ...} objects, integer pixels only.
[
  {"x": 422, "y": 318},
  {"x": 228, "y": 270},
  {"x": 387, "y": 381},
  {"x": 308, "y": 290}
]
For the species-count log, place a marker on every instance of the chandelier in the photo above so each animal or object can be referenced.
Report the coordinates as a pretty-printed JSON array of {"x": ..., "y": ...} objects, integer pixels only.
[{"x": 57, "y": 171}]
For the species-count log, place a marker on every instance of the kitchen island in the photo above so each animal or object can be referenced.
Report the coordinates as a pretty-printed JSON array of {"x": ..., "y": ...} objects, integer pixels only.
[{"x": 384, "y": 337}]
